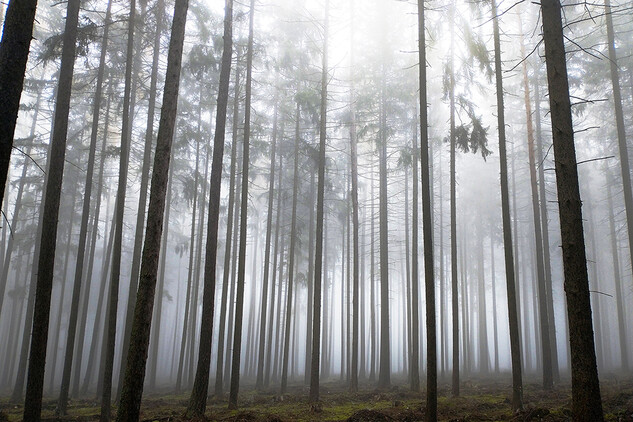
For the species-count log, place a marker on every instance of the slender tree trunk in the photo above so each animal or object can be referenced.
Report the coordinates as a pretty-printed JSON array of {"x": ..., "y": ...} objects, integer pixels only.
[
  {"x": 46, "y": 259},
  {"x": 118, "y": 236},
  {"x": 198, "y": 400},
  {"x": 548, "y": 379},
  {"x": 318, "y": 256},
  {"x": 83, "y": 231},
  {"x": 619, "y": 118},
  {"x": 427, "y": 235},
  {"x": 586, "y": 402},
  {"x": 494, "y": 300},
  {"x": 278, "y": 323},
  {"x": 454, "y": 290},
  {"x": 624, "y": 352},
  {"x": 355, "y": 223},
  {"x": 513, "y": 313},
  {"x": 230, "y": 229},
  {"x": 269, "y": 221},
  {"x": 309, "y": 318},
  {"x": 372, "y": 280},
  {"x": 482, "y": 314},
  {"x": 241, "y": 269},
  {"x": 384, "y": 376},
  {"x": 132, "y": 390},
  {"x": 145, "y": 175},
  {"x": 14, "y": 52},
  {"x": 545, "y": 231},
  {"x": 291, "y": 253}
]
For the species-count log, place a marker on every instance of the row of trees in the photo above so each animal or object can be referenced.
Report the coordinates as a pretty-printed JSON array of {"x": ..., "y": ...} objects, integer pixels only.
[{"x": 376, "y": 112}]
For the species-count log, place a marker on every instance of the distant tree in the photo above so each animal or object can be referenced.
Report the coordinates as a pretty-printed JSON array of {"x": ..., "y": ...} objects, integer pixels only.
[
  {"x": 318, "y": 254},
  {"x": 241, "y": 267},
  {"x": 198, "y": 401},
  {"x": 513, "y": 315},
  {"x": 586, "y": 402},
  {"x": 132, "y": 390},
  {"x": 17, "y": 33},
  {"x": 46, "y": 261},
  {"x": 427, "y": 219},
  {"x": 85, "y": 214}
]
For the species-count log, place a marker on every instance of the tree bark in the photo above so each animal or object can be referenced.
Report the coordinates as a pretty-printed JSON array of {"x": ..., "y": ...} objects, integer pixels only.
[
  {"x": 198, "y": 400},
  {"x": 83, "y": 231},
  {"x": 46, "y": 259},
  {"x": 513, "y": 314},
  {"x": 14, "y": 52},
  {"x": 132, "y": 390},
  {"x": 318, "y": 254},
  {"x": 586, "y": 402}
]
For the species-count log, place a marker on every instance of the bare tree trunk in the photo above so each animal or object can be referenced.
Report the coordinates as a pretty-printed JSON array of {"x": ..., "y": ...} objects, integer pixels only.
[
  {"x": 108, "y": 347},
  {"x": 46, "y": 259},
  {"x": 83, "y": 231},
  {"x": 132, "y": 390},
  {"x": 548, "y": 379},
  {"x": 14, "y": 52},
  {"x": 513, "y": 312},
  {"x": 291, "y": 253},
  {"x": 586, "y": 402},
  {"x": 241, "y": 268},
  {"x": 198, "y": 400},
  {"x": 318, "y": 257},
  {"x": 269, "y": 221},
  {"x": 427, "y": 233},
  {"x": 494, "y": 300}
]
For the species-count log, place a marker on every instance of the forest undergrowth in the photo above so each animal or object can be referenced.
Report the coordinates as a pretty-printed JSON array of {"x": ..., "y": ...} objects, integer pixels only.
[{"x": 481, "y": 400}]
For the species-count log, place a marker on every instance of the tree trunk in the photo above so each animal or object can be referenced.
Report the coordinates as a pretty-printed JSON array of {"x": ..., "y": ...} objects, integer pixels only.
[
  {"x": 83, "y": 231},
  {"x": 454, "y": 290},
  {"x": 198, "y": 400},
  {"x": 318, "y": 255},
  {"x": 132, "y": 390},
  {"x": 46, "y": 259},
  {"x": 241, "y": 268},
  {"x": 586, "y": 402},
  {"x": 548, "y": 380},
  {"x": 494, "y": 300},
  {"x": 14, "y": 52},
  {"x": 427, "y": 233},
  {"x": 384, "y": 376},
  {"x": 291, "y": 253},
  {"x": 615, "y": 252},
  {"x": 108, "y": 347},
  {"x": 269, "y": 221},
  {"x": 513, "y": 314}
]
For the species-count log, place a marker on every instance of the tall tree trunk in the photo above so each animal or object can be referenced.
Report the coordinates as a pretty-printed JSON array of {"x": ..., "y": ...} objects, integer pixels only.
[
  {"x": 372, "y": 281},
  {"x": 619, "y": 118},
  {"x": 318, "y": 255},
  {"x": 482, "y": 314},
  {"x": 384, "y": 376},
  {"x": 83, "y": 231},
  {"x": 548, "y": 379},
  {"x": 198, "y": 400},
  {"x": 108, "y": 347},
  {"x": 494, "y": 300},
  {"x": 586, "y": 402},
  {"x": 241, "y": 268},
  {"x": 615, "y": 252},
  {"x": 269, "y": 221},
  {"x": 513, "y": 313},
  {"x": 454, "y": 290},
  {"x": 145, "y": 175},
  {"x": 355, "y": 222},
  {"x": 291, "y": 253},
  {"x": 230, "y": 229},
  {"x": 427, "y": 233},
  {"x": 132, "y": 390},
  {"x": 545, "y": 231},
  {"x": 89, "y": 274},
  {"x": 14, "y": 52},
  {"x": 46, "y": 259}
]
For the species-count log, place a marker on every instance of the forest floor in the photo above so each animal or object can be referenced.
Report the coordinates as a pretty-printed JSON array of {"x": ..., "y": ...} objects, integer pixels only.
[{"x": 480, "y": 400}]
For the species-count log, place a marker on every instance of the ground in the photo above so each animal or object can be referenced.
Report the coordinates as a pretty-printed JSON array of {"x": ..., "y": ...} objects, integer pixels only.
[{"x": 481, "y": 400}]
